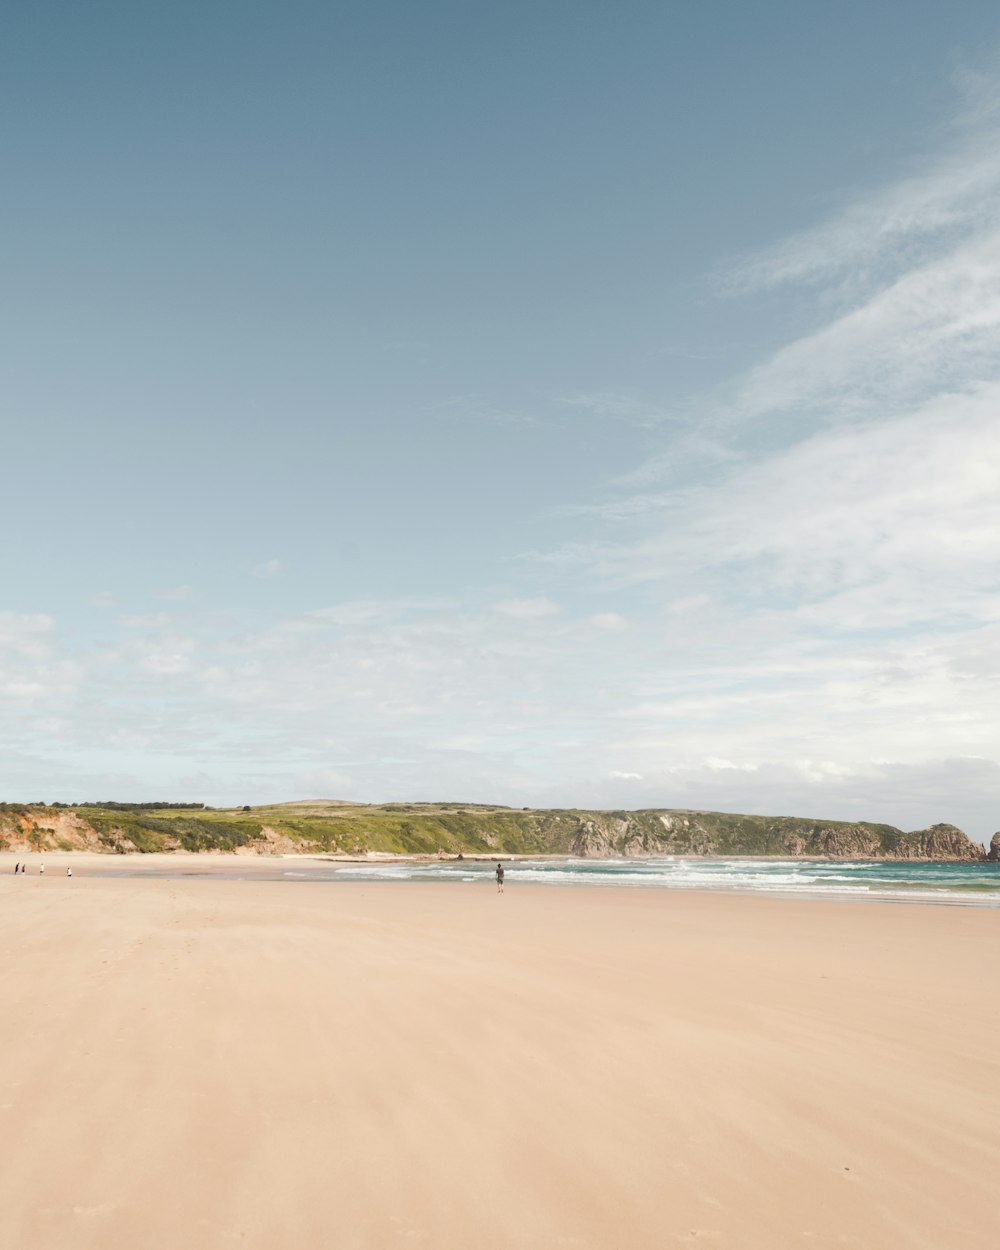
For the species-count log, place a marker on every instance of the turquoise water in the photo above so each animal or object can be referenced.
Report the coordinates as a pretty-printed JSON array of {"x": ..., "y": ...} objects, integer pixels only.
[{"x": 975, "y": 882}]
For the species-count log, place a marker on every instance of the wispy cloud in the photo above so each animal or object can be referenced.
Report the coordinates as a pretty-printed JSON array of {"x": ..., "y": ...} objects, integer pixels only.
[
  {"x": 908, "y": 508},
  {"x": 174, "y": 594},
  {"x": 527, "y": 609},
  {"x": 934, "y": 328},
  {"x": 36, "y": 668},
  {"x": 950, "y": 193},
  {"x": 861, "y": 488},
  {"x": 269, "y": 568}
]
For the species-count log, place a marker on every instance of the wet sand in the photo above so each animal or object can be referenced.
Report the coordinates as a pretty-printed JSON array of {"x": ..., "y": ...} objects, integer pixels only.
[{"x": 269, "y": 1064}]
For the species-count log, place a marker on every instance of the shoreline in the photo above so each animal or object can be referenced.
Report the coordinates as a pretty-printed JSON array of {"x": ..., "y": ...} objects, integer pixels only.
[{"x": 325, "y": 869}]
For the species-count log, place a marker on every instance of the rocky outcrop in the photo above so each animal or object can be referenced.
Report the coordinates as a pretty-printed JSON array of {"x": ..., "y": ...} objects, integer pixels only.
[
  {"x": 847, "y": 842},
  {"x": 637, "y": 834},
  {"x": 994, "y": 851},
  {"x": 944, "y": 842},
  {"x": 592, "y": 842}
]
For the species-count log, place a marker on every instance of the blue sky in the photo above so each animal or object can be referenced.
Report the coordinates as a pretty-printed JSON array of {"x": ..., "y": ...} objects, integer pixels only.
[{"x": 548, "y": 404}]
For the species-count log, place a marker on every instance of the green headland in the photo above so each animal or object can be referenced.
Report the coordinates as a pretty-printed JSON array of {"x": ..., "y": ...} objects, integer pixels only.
[{"x": 453, "y": 828}]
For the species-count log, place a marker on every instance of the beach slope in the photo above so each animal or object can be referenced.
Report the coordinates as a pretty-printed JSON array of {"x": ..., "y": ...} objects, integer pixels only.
[{"x": 205, "y": 1063}]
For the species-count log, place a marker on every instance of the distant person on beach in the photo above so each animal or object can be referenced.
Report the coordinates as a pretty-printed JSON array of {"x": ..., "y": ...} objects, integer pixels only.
[
  {"x": 41, "y": 870},
  {"x": 17, "y": 868},
  {"x": 69, "y": 872},
  {"x": 499, "y": 878}
]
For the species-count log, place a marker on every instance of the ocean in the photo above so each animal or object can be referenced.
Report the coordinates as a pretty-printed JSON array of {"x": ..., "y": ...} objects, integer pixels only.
[{"x": 975, "y": 883}]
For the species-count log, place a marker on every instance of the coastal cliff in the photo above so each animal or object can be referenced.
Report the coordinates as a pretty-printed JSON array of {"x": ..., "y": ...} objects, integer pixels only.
[
  {"x": 637, "y": 834},
  {"x": 457, "y": 828}
]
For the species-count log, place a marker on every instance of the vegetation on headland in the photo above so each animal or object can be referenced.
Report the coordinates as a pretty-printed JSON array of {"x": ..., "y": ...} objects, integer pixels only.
[{"x": 459, "y": 828}]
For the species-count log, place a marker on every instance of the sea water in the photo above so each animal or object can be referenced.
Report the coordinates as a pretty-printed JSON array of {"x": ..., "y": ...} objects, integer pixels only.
[{"x": 966, "y": 882}]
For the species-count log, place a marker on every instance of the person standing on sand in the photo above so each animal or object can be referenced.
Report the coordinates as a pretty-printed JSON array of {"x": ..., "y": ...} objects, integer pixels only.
[
  {"x": 17, "y": 868},
  {"x": 499, "y": 878},
  {"x": 69, "y": 872}
]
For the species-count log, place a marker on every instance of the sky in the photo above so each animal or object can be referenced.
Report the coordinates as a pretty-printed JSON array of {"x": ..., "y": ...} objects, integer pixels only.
[{"x": 546, "y": 404}]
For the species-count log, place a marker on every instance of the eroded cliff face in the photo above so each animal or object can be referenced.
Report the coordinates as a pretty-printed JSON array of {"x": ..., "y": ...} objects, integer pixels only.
[
  {"x": 994, "y": 852},
  {"x": 38, "y": 829},
  {"x": 946, "y": 842},
  {"x": 638, "y": 834}
]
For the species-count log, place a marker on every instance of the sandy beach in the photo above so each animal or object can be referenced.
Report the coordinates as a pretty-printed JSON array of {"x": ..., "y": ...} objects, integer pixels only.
[{"x": 204, "y": 1063}]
